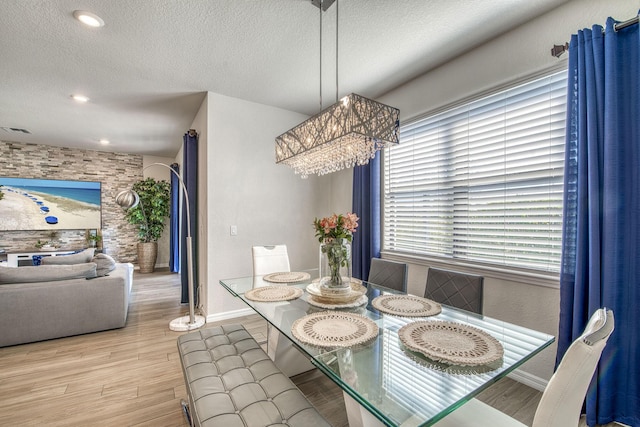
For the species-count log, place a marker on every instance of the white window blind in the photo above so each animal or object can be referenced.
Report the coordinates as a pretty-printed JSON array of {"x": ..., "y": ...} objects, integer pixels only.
[{"x": 482, "y": 181}]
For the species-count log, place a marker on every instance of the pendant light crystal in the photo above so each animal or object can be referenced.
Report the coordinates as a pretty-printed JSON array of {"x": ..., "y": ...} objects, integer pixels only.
[{"x": 344, "y": 135}]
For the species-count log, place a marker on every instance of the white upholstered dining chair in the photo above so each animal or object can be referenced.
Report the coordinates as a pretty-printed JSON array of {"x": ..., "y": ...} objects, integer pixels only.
[
  {"x": 563, "y": 397},
  {"x": 270, "y": 259},
  {"x": 275, "y": 259}
]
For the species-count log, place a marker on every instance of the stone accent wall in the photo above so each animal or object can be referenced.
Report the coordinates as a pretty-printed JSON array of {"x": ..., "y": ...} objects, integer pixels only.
[{"x": 116, "y": 172}]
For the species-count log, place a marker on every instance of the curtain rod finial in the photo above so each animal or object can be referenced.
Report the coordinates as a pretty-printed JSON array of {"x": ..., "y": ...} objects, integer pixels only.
[{"x": 559, "y": 49}]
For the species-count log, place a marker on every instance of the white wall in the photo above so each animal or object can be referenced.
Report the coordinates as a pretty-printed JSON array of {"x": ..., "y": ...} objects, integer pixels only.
[
  {"x": 267, "y": 203},
  {"x": 515, "y": 55},
  {"x": 200, "y": 124},
  {"x": 341, "y": 192}
]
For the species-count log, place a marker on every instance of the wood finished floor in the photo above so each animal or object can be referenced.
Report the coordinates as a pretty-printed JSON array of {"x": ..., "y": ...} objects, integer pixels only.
[{"x": 132, "y": 376}]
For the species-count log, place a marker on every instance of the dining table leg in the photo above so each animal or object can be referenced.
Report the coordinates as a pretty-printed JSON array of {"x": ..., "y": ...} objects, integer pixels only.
[
  {"x": 357, "y": 415},
  {"x": 280, "y": 349}
]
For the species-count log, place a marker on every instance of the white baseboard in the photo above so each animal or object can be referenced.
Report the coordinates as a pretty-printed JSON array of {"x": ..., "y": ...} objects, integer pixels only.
[
  {"x": 527, "y": 379},
  {"x": 230, "y": 315}
]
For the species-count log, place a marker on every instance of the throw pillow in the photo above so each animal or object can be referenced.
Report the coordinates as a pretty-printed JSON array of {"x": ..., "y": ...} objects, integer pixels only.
[
  {"x": 81, "y": 257},
  {"x": 105, "y": 264},
  {"x": 47, "y": 273}
]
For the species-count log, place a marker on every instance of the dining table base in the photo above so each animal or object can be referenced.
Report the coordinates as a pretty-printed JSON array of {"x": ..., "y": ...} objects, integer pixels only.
[
  {"x": 286, "y": 357},
  {"x": 357, "y": 415},
  {"x": 282, "y": 351}
]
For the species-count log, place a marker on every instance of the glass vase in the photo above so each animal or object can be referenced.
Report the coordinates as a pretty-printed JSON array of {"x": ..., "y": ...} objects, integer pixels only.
[{"x": 335, "y": 264}]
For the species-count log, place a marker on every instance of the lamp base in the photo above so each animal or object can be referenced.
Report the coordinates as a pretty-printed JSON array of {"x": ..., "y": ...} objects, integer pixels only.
[{"x": 182, "y": 324}]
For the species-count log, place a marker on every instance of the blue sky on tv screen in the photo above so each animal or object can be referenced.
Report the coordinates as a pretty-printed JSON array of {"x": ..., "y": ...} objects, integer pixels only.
[{"x": 82, "y": 191}]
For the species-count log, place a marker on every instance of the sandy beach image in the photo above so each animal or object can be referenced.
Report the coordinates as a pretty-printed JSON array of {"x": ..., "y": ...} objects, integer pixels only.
[{"x": 29, "y": 212}]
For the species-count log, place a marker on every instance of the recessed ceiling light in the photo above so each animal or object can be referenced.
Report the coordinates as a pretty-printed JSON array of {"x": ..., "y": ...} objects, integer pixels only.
[
  {"x": 104, "y": 141},
  {"x": 88, "y": 18},
  {"x": 80, "y": 98}
]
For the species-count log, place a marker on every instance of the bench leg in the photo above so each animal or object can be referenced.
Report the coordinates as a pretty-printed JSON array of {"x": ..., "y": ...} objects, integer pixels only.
[{"x": 185, "y": 411}]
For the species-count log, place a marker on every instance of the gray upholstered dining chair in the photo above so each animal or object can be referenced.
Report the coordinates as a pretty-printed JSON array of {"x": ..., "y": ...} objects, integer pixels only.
[
  {"x": 562, "y": 399},
  {"x": 270, "y": 259},
  {"x": 455, "y": 289},
  {"x": 389, "y": 274}
]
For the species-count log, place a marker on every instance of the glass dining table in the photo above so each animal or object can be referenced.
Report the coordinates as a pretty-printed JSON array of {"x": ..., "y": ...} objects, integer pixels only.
[{"x": 384, "y": 382}]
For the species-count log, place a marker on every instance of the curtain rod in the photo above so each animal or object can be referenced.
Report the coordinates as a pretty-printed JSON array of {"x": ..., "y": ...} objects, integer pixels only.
[{"x": 559, "y": 49}]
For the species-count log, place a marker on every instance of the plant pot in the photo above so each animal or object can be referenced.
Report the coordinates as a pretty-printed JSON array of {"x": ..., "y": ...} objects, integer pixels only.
[{"x": 147, "y": 254}]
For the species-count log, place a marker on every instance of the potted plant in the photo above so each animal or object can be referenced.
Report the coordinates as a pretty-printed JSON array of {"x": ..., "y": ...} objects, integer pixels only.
[
  {"x": 150, "y": 217},
  {"x": 93, "y": 240},
  {"x": 48, "y": 245}
]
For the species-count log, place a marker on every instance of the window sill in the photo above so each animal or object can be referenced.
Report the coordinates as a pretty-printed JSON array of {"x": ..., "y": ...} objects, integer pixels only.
[{"x": 528, "y": 277}]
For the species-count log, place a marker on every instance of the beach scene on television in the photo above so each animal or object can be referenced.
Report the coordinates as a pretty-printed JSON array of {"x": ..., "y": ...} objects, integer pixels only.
[{"x": 46, "y": 204}]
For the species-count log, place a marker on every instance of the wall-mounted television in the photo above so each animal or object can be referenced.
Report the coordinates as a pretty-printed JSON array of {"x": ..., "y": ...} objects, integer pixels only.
[{"x": 48, "y": 204}]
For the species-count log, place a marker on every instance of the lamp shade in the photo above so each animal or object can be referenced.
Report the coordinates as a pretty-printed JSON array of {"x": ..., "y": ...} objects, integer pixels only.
[{"x": 128, "y": 199}]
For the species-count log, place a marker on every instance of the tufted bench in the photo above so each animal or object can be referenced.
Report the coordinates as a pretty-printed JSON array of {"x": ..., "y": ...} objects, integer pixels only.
[{"x": 232, "y": 382}]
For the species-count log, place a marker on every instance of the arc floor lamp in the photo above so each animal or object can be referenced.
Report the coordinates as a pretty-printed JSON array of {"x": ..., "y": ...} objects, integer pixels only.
[{"x": 129, "y": 199}]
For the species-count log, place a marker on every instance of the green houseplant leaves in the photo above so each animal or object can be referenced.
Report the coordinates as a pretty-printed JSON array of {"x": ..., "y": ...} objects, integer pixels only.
[{"x": 154, "y": 200}]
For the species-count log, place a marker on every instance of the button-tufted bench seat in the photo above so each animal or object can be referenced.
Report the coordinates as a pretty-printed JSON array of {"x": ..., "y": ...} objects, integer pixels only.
[{"x": 232, "y": 382}]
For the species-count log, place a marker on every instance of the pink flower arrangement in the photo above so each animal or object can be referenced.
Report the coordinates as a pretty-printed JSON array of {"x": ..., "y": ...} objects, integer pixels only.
[{"x": 336, "y": 227}]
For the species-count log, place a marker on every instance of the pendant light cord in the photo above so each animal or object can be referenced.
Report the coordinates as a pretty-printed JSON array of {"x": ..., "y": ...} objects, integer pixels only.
[
  {"x": 320, "y": 55},
  {"x": 337, "y": 2}
]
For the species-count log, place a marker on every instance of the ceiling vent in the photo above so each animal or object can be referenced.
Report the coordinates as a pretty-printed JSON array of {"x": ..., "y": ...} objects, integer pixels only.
[{"x": 15, "y": 130}]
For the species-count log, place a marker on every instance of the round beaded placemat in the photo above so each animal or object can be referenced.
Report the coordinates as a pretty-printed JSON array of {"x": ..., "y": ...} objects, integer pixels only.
[
  {"x": 406, "y": 305},
  {"x": 334, "y": 329},
  {"x": 451, "y": 342},
  {"x": 273, "y": 293},
  {"x": 286, "y": 277},
  {"x": 422, "y": 360}
]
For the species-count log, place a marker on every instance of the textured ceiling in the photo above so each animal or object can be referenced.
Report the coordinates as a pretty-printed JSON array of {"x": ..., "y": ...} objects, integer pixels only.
[{"x": 147, "y": 70}]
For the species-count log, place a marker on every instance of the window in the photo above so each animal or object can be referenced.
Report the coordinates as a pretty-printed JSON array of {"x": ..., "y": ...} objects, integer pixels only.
[{"x": 482, "y": 182}]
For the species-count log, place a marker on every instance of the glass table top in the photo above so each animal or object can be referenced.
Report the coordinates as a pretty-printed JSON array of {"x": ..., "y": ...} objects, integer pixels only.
[{"x": 397, "y": 385}]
